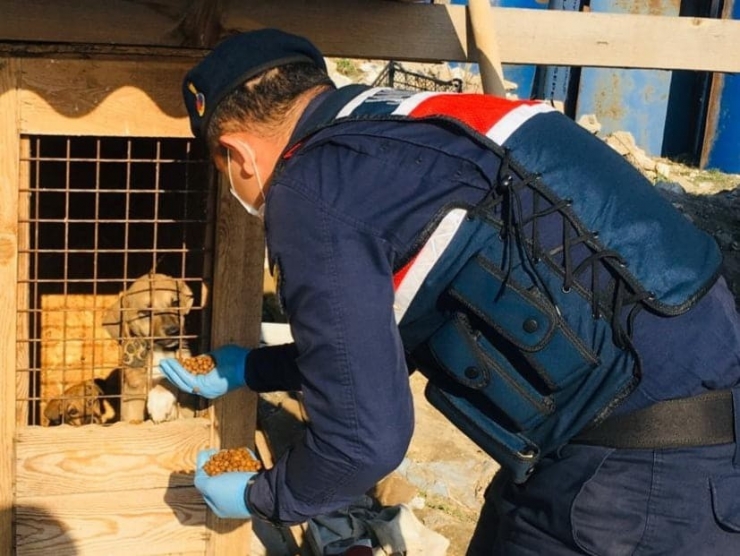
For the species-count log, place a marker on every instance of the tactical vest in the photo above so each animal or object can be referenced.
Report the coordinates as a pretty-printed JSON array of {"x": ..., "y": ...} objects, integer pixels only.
[{"x": 525, "y": 335}]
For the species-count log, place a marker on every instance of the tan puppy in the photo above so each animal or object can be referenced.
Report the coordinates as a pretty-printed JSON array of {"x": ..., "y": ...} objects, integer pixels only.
[
  {"x": 80, "y": 404},
  {"x": 152, "y": 309}
]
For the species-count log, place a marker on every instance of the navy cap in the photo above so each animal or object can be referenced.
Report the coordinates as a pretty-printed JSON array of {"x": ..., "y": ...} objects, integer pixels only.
[{"x": 234, "y": 61}]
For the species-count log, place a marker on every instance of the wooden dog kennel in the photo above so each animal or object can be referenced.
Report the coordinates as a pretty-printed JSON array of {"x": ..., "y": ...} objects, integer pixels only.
[{"x": 125, "y": 488}]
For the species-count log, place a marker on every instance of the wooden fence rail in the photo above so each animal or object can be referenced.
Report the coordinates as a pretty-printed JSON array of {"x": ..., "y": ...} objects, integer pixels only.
[{"x": 383, "y": 30}]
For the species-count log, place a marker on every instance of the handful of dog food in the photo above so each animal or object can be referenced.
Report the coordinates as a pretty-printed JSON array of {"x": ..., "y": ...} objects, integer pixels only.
[
  {"x": 198, "y": 365},
  {"x": 230, "y": 460}
]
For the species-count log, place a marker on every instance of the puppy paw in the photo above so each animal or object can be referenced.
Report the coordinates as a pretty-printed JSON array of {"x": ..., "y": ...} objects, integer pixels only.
[
  {"x": 135, "y": 352},
  {"x": 161, "y": 404}
]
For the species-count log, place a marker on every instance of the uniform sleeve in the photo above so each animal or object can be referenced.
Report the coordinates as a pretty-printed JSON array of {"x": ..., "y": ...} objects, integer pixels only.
[
  {"x": 335, "y": 281},
  {"x": 273, "y": 369}
]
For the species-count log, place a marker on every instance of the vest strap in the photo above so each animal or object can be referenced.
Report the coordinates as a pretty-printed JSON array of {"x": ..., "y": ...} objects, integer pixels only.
[{"x": 703, "y": 420}]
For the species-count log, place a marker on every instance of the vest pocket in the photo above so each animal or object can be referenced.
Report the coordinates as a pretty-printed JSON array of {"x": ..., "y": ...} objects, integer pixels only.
[
  {"x": 511, "y": 450},
  {"x": 523, "y": 324},
  {"x": 471, "y": 361}
]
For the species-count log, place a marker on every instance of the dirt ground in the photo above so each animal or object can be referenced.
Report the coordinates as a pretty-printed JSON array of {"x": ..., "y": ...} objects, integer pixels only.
[{"x": 463, "y": 469}]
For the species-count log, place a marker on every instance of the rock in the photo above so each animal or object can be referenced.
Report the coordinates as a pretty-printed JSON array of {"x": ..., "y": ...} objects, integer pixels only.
[
  {"x": 392, "y": 490},
  {"x": 685, "y": 183},
  {"x": 461, "y": 481},
  {"x": 624, "y": 143},
  {"x": 663, "y": 170},
  {"x": 671, "y": 186},
  {"x": 590, "y": 123}
]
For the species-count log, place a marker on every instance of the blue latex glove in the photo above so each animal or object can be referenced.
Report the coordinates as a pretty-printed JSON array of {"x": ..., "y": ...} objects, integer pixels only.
[
  {"x": 227, "y": 375},
  {"x": 224, "y": 493}
]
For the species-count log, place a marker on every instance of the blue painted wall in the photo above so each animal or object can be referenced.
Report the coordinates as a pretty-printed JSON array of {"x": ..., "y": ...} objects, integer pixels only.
[
  {"x": 629, "y": 99},
  {"x": 722, "y": 138}
]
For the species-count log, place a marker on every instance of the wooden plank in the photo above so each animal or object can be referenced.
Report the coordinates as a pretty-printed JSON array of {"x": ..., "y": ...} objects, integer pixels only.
[
  {"x": 237, "y": 311},
  {"x": 365, "y": 29},
  {"x": 103, "y": 98},
  {"x": 237, "y": 307},
  {"x": 394, "y": 30},
  {"x": 137, "y": 521},
  {"x": 9, "y": 172},
  {"x": 619, "y": 40},
  {"x": 91, "y": 21},
  {"x": 112, "y": 459},
  {"x": 110, "y": 52},
  {"x": 387, "y": 30},
  {"x": 375, "y": 29}
]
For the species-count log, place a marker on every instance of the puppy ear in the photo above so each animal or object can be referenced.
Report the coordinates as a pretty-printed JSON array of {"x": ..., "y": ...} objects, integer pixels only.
[
  {"x": 53, "y": 411},
  {"x": 185, "y": 297},
  {"x": 113, "y": 320}
]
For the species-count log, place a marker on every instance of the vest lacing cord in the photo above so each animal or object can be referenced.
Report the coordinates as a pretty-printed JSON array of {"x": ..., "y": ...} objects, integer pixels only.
[
  {"x": 504, "y": 193},
  {"x": 624, "y": 295},
  {"x": 512, "y": 232}
]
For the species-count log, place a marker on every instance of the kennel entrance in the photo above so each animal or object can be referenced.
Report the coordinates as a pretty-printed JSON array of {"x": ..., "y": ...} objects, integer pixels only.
[
  {"x": 104, "y": 186},
  {"x": 96, "y": 214},
  {"x": 102, "y": 212}
]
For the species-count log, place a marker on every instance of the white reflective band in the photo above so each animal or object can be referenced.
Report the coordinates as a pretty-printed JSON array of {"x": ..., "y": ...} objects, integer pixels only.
[
  {"x": 426, "y": 259},
  {"x": 405, "y": 108},
  {"x": 355, "y": 102},
  {"x": 512, "y": 121}
]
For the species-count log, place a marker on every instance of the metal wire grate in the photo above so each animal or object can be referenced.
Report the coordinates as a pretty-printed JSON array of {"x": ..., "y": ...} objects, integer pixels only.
[
  {"x": 395, "y": 75},
  {"x": 97, "y": 213}
]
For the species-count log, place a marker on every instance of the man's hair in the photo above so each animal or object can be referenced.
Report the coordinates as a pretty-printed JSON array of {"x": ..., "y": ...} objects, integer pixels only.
[{"x": 264, "y": 100}]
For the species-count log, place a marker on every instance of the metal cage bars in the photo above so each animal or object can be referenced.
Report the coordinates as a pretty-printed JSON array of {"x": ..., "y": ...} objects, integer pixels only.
[{"x": 95, "y": 214}]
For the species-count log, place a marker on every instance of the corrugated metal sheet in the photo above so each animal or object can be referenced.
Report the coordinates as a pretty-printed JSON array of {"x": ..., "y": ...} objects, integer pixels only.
[
  {"x": 721, "y": 148},
  {"x": 628, "y": 99}
]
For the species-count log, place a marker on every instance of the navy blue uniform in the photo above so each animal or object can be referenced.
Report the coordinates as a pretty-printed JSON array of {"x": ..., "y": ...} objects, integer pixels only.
[{"x": 343, "y": 214}]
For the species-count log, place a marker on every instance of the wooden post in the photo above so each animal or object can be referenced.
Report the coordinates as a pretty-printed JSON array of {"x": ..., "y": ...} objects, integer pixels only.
[
  {"x": 9, "y": 170},
  {"x": 23, "y": 360},
  {"x": 486, "y": 46},
  {"x": 237, "y": 311}
]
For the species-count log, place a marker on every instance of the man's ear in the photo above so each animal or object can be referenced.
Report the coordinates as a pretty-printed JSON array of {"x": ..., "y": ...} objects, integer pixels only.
[{"x": 239, "y": 152}]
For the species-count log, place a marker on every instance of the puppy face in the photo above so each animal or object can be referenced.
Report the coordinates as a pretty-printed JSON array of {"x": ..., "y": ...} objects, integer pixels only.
[
  {"x": 154, "y": 307},
  {"x": 79, "y": 405}
]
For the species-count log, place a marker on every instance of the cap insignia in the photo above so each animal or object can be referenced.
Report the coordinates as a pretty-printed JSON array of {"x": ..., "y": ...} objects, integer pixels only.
[{"x": 200, "y": 99}]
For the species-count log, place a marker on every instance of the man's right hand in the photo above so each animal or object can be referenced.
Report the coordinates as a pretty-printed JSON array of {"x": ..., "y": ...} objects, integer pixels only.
[
  {"x": 225, "y": 493},
  {"x": 228, "y": 374}
]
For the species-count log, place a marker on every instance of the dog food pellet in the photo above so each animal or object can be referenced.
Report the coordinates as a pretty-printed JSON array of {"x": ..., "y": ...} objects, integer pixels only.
[
  {"x": 231, "y": 459},
  {"x": 199, "y": 365}
]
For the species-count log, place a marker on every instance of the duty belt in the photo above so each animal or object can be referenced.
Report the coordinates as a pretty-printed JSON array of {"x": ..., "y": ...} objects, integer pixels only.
[{"x": 702, "y": 420}]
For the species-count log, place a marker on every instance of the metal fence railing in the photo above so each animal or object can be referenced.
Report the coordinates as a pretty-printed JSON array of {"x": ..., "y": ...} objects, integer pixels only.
[{"x": 395, "y": 75}]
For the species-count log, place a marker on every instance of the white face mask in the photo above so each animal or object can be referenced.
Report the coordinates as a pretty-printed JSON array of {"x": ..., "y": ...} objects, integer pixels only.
[{"x": 260, "y": 212}]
